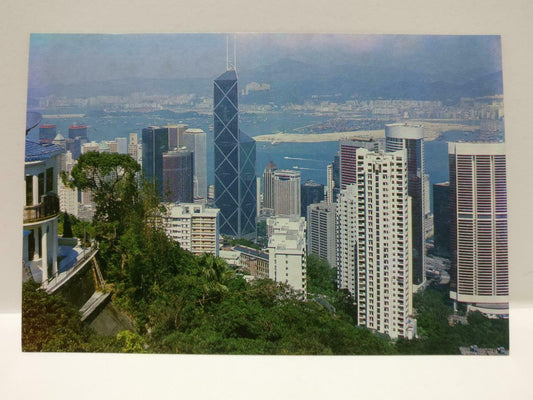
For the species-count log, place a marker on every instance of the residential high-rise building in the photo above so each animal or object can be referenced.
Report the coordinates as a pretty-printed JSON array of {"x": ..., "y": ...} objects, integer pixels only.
[
  {"x": 411, "y": 137},
  {"x": 287, "y": 194},
  {"x": 235, "y": 189},
  {"x": 178, "y": 167},
  {"x": 373, "y": 243},
  {"x": 479, "y": 244},
  {"x": 347, "y": 157},
  {"x": 311, "y": 193},
  {"x": 47, "y": 133},
  {"x": 268, "y": 185},
  {"x": 195, "y": 141},
  {"x": 287, "y": 252},
  {"x": 322, "y": 231},
  {"x": 441, "y": 218},
  {"x": 154, "y": 144},
  {"x": 194, "y": 226},
  {"x": 75, "y": 131}
]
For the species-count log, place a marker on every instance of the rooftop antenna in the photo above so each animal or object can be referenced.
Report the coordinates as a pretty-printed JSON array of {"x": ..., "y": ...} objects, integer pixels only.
[{"x": 235, "y": 52}]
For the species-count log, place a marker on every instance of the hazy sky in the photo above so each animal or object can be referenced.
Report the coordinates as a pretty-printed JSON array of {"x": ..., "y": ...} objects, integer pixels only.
[{"x": 67, "y": 58}]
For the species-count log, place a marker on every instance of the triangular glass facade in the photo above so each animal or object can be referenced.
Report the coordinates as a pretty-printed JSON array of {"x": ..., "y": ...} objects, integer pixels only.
[{"x": 235, "y": 184}]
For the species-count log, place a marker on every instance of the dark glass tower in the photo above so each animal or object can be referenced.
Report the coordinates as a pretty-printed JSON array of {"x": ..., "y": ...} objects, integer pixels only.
[
  {"x": 441, "y": 218},
  {"x": 178, "y": 174},
  {"x": 235, "y": 184},
  {"x": 336, "y": 177},
  {"x": 411, "y": 137},
  {"x": 154, "y": 144},
  {"x": 47, "y": 133},
  {"x": 312, "y": 193}
]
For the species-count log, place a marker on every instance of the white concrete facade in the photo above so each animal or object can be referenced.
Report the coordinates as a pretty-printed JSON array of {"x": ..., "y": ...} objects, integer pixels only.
[
  {"x": 193, "y": 226},
  {"x": 287, "y": 252}
]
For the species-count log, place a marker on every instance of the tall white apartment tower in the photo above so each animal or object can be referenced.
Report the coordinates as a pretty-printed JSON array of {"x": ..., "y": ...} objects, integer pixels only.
[
  {"x": 287, "y": 192},
  {"x": 373, "y": 242},
  {"x": 479, "y": 244}
]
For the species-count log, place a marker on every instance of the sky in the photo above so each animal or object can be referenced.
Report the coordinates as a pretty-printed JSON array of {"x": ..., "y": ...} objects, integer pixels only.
[{"x": 75, "y": 58}]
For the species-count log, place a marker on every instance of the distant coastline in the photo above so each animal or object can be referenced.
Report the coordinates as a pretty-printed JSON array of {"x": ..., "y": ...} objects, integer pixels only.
[{"x": 432, "y": 131}]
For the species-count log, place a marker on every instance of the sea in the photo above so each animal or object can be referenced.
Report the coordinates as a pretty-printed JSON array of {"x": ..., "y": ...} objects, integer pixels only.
[{"x": 311, "y": 159}]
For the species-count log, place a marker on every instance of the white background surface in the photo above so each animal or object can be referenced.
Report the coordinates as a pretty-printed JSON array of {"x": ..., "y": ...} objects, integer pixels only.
[{"x": 81, "y": 376}]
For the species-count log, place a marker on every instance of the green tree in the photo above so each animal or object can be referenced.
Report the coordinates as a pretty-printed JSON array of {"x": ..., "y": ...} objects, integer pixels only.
[
  {"x": 320, "y": 276},
  {"x": 67, "y": 226},
  {"x": 111, "y": 179}
]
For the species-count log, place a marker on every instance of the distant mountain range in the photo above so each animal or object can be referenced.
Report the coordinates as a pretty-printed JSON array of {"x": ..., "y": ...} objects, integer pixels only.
[{"x": 294, "y": 82}]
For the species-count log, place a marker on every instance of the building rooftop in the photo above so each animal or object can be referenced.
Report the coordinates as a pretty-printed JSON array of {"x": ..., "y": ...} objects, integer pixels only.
[
  {"x": 229, "y": 75},
  {"x": 271, "y": 165},
  {"x": 250, "y": 251},
  {"x": 40, "y": 151}
]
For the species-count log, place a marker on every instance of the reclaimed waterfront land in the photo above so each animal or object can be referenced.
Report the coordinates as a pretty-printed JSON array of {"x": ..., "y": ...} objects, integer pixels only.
[{"x": 432, "y": 131}]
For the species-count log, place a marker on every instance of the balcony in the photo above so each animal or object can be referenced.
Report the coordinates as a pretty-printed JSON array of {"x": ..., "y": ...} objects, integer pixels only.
[{"x": 47, "y": 208}]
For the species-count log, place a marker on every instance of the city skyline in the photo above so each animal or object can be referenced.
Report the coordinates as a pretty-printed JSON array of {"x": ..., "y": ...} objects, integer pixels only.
[
  {"x": 383, "y": 221},
  {"x": 510, "y": 20}
]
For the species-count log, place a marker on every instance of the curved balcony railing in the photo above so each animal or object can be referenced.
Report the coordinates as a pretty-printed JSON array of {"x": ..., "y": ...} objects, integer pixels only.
[{"x": 47, "y": 208}]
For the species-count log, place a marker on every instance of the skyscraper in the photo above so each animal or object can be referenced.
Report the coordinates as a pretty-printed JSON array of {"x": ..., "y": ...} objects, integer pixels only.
[
  {"x": 195, "y": 141},
  {"x": 47, "y": 133},
  {"x": 154, "y": 144},
  {"x": 75, "y": 131},
  {"x": 479, "y": 247},
  {"x": 268, "y": 185},
  {"x": 178, "y": 176},
  {"x": 287, "y": 194},
  {"x": 347, "y": 157},
  {"x": 373, "y": 257},
  {"x": 311, "y": 193},
  {"x": 441, "y": 218},
  {"x": 322, "y": 231},
  {"x": 235, "y": 184},
  {"x": 411, "y": 137}
]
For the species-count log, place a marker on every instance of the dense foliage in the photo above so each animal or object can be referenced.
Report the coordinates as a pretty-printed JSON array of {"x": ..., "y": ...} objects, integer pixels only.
[
  {"x": 182, "y": 303},
  {"x": 437, "y": 336}
]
